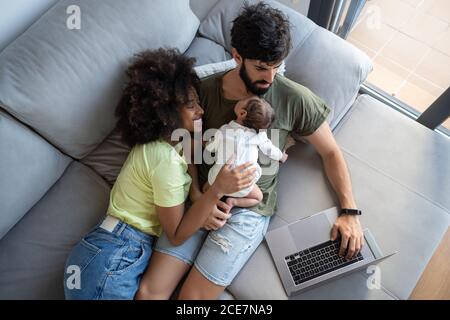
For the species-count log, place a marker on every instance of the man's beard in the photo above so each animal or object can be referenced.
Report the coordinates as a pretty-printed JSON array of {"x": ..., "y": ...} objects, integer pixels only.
[{"x": 251, "y": 86}]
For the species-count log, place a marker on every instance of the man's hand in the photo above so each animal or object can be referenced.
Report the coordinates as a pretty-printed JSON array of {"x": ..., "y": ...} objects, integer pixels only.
[
  {"x": 218, "y": 217},
  {"x": 284, "y": 158},
  {"x": 194, "y": 195},
  {"x": 352, "y": 237}
]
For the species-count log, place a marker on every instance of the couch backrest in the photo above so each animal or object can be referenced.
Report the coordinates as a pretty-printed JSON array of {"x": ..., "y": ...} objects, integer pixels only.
[
  {"x": 29, "y": 166},
  {"x": 65, "y": 83},
  {"x": 202, "y": 7},
  {"x": 328, "y": 65},
  {"x": 17, "y": 16}
]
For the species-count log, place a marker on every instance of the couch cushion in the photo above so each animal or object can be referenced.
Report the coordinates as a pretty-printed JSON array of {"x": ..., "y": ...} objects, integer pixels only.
[
  {"x": 34, "y": 252},
  {"x": 206, "y": 70},
  {"x": 202, "y": 7},
  {"x": 108, "y": 158},
  {"x": 400, "y": 147},
  {"x": 206, "y": 51},
  {"x": 29, "y": 166},
  {"x": 331, "y": 67},
  {"x": 395, "y": 165},
  {"x": 66, "y": 83}
]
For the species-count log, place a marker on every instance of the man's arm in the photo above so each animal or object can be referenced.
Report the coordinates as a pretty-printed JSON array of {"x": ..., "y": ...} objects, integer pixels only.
[{"x": 336, "y": 169}]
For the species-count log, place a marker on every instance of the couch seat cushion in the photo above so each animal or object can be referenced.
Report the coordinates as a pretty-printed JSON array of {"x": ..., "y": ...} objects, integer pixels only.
[
  {"x": 29, "y": 166},
  {"x": 34, "y": 252}
]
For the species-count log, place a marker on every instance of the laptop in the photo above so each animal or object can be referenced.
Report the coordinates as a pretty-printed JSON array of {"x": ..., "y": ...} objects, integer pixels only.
[{"x": 305, "y": 256}]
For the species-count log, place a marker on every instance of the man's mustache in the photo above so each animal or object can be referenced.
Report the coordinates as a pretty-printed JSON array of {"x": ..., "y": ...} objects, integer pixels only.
[{"x": 261, "y": 81}]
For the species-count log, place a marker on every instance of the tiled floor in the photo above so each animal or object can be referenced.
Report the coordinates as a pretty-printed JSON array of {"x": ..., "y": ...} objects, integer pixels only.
[
  {"x": 434, "y": 284},
  {"x": 409, "y": 43}
]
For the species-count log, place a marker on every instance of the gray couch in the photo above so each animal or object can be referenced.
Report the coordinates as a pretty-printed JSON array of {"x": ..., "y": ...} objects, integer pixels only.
[{"x": 60, "y": 153}]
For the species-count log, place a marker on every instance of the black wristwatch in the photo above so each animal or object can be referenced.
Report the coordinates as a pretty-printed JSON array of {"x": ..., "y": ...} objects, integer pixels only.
[{"x": 353, "y": 212}]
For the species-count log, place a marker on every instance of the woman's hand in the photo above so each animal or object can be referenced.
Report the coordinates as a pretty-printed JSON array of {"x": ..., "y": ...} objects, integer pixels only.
[
  {"x": 218, "y": 217},
  {"x": 233, "y": 180}
]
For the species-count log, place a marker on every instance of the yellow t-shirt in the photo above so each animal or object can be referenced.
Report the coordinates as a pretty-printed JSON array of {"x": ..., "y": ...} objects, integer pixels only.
[{"x": 153, "y": 174}]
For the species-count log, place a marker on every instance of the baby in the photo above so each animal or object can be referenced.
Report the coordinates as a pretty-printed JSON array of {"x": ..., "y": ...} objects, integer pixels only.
[{"x": 242, "y": 138}]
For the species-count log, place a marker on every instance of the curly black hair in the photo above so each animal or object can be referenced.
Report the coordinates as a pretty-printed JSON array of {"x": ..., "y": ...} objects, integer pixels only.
[
  {"x": 159, "y": 83},
  {"x": 261, "y": 32}
]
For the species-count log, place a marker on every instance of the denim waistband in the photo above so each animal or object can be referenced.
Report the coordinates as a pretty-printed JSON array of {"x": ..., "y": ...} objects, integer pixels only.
[{"x": 126, "y": 231}]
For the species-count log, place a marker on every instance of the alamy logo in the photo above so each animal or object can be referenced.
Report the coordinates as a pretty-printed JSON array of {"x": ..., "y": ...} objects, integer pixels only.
[
  {"x": 373, "y": 17},
  {"x": 73, "y": 22},
  {"x": 374, "y": 280},
  {"x": 74, "y": 280}
]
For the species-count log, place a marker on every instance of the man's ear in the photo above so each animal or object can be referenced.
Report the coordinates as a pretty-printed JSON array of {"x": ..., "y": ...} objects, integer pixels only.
[{"x": 236, "y": 56}]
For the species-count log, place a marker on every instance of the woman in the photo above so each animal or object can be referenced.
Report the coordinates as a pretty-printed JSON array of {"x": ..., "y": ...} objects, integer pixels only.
[{"x": 149, "y": 194}]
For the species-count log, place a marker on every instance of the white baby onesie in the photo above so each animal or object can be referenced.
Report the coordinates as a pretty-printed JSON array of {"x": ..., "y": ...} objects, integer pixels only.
[{"x": 243, "y": 143}]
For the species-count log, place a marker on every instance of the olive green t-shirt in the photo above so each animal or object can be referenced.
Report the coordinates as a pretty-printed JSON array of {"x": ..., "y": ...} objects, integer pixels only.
[{"x": 297, "y": 110}]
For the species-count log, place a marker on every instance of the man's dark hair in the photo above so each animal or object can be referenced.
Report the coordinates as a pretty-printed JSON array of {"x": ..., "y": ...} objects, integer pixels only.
[
  {"x": 159, "y": 83},
  {"x": 260, "y": 114},
  {"x": 261, "y": 32}
]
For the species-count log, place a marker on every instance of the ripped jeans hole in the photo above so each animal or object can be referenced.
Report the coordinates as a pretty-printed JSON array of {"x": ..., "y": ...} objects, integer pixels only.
[{"x": 222, "y": 242}]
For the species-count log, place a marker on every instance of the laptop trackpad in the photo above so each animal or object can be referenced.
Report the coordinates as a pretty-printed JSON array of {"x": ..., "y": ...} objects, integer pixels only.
[{"x": 310, "y": 231}]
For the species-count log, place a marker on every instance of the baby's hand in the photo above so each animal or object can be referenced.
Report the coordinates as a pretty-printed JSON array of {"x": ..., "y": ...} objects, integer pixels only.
[{"x": 284, "y": 157}]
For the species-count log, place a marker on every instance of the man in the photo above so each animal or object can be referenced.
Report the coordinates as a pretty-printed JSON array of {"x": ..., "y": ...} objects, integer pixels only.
[{"x": 260, "y": 40}]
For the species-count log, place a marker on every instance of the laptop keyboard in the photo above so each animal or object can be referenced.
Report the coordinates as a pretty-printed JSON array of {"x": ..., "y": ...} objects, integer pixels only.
[{"x": 316, "y": 261}]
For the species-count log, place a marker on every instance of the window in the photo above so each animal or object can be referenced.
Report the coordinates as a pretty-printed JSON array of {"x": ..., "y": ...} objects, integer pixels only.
[{"x": 409, "y": 43}]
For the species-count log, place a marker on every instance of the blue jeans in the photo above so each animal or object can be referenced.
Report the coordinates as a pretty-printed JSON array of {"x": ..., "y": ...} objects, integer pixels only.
[
  {"x": 109, "y": 264},
  {"x": 219, "y": 255}
]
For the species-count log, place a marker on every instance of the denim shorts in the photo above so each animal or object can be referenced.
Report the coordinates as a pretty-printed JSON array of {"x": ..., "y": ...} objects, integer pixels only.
[
  {"x": 109, "y": 265},
  {"x": 219, "y": 255}
]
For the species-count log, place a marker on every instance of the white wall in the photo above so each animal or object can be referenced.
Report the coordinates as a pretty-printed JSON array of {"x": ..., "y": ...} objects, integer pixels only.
[{"x": 17, "y": 15}]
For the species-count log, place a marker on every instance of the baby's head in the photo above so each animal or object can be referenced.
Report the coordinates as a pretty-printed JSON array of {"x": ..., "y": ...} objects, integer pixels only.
[{"x": 254, "y": 113}]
